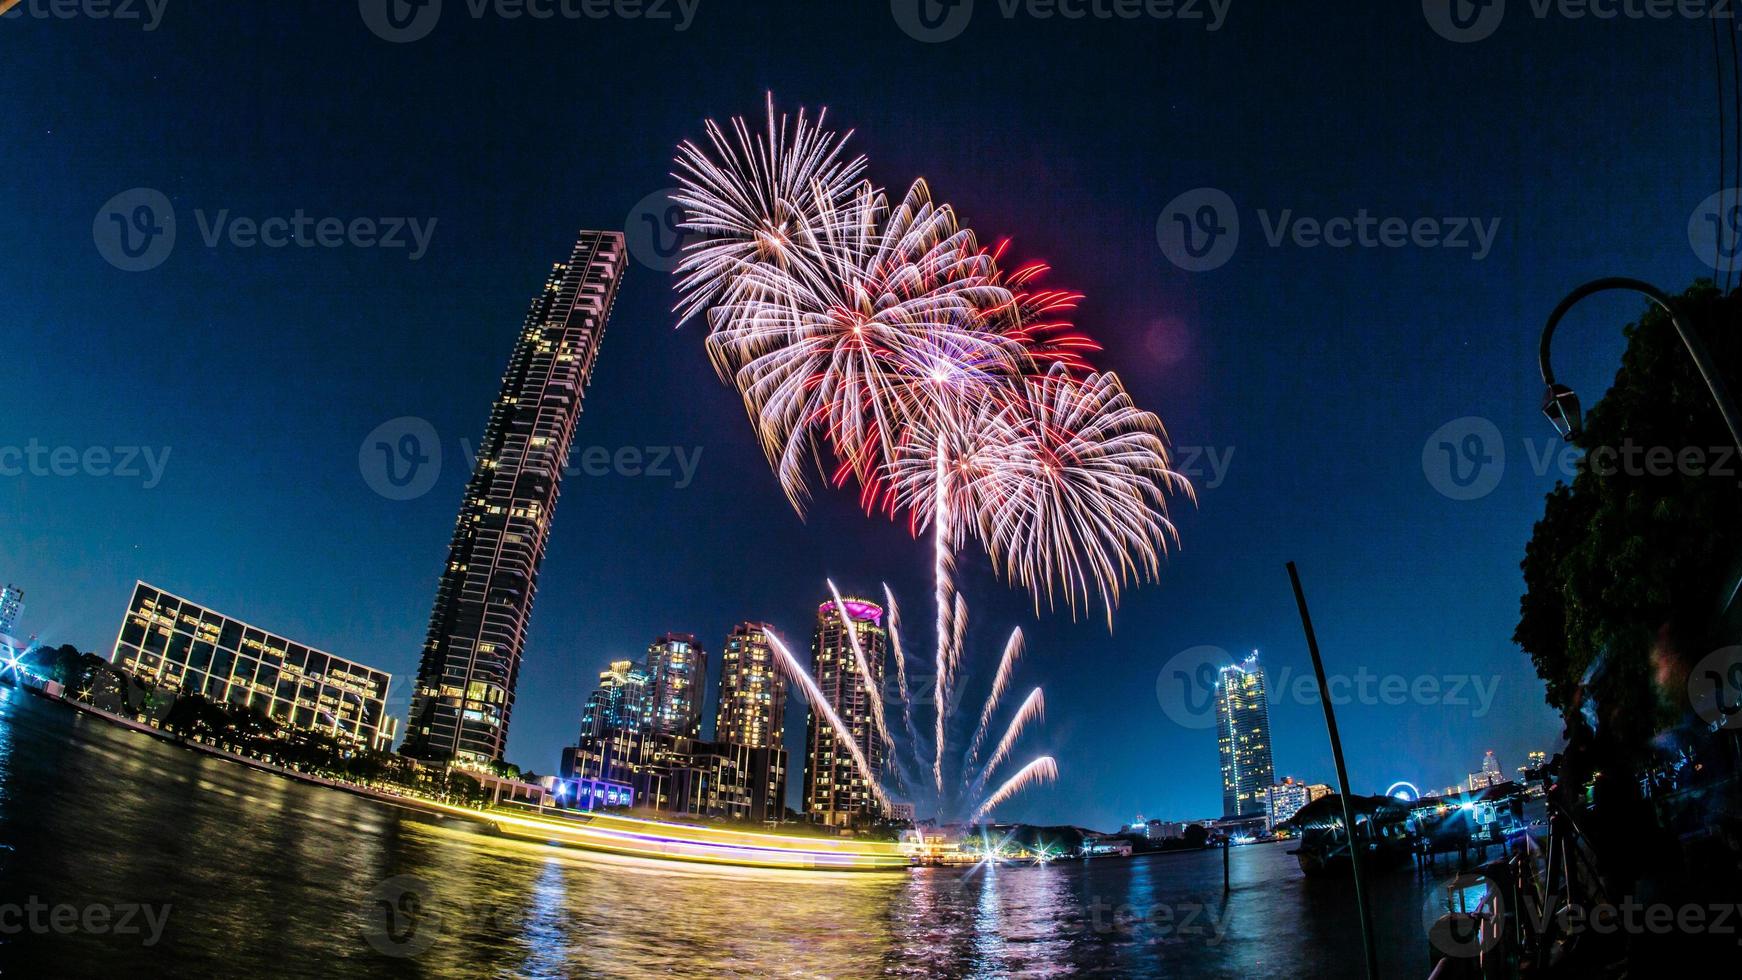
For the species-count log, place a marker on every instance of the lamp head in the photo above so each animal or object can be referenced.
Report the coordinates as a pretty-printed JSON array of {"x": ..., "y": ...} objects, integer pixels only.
[{"x": 1561, "y": 406}]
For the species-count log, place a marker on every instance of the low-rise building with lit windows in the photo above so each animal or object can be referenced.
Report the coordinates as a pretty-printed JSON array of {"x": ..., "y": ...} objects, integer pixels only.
[{"x": 191, "y": 649}]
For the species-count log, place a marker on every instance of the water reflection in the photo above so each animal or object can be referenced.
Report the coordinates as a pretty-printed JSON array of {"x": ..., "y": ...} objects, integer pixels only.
[{"x": 269, "y": 877}]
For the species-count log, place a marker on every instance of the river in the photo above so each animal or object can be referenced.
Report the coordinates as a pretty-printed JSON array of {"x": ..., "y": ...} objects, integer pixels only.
[{"x": 122, "y": 855}]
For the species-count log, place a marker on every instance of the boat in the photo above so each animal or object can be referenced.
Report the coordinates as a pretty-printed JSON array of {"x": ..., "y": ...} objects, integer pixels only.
[{"x": 1381, "y": 832}]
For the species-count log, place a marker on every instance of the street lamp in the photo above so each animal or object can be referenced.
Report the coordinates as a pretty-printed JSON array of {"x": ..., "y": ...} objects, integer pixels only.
[{"x": 1561, "y": 405}]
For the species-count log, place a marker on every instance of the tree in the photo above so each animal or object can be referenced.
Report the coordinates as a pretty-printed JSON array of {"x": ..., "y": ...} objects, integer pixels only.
[
  {"x": 1196, "y": 835},
  {"x": 1629, "y": 572}
]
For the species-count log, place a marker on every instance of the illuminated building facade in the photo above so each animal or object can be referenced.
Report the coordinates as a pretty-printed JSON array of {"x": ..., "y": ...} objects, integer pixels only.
[
  {"x": 11, "y": 607},
  {"x": 752, "y": 709},
  {"x": 678, "y": 668},
  {"x": 1243, "y": 738},
  {"x": 1284, "y": 799},
  {"x": 835, "y": 792},
  {"x": 464, "y": 699},
  {"x": 620, "y": 701},
  {"x": 1490, "y": 774},
  {"x": 178, "y": 644}
]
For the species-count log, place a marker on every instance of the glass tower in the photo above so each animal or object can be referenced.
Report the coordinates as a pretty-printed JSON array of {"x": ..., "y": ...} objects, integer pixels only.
[
  {"x": 1243, "y": 738},
  {"x": 464, "y": 697},
  {"x": 836, "y": 793}
]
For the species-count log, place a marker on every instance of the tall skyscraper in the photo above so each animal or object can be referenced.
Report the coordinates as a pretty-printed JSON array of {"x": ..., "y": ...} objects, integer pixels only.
[
  {"x": 752, "y": 707},
  {"x": 836, "y": 793},
  {"x": 1243, "y": 738},
  {"x": 678, "y": 667},
  {"x": 619, "y": 702},
  {"x": 11, "y": 606},
  {"x": 464, "y": 697}
]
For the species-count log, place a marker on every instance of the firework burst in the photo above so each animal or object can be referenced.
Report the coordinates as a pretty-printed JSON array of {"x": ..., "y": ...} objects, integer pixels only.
[{"x": 881, "y": 344}]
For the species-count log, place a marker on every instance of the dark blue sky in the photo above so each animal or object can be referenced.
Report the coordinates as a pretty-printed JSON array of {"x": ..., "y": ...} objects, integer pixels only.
[{"x": 1323, "y": 371}]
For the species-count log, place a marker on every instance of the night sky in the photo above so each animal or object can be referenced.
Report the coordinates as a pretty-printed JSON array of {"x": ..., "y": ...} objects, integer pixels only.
[{"x": 1323, "y": 371}]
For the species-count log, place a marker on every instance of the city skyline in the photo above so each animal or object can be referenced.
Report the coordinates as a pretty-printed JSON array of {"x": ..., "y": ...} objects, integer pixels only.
[{"x": 374, "y": 338}]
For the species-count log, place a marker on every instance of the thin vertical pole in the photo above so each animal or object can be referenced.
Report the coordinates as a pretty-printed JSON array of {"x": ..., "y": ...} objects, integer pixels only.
[
  {"x": 1227, "y": 846},
  {"x": 1306, "y": 622}
]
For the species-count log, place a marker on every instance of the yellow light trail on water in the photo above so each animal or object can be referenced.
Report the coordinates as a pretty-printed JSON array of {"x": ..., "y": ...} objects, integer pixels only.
[{"x": 692, "y": 843}]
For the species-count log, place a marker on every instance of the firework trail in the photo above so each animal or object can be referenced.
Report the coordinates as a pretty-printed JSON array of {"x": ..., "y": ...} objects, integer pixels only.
[
  {"x": 820, "y": 704},
  {"x": 873, "y": 689},
  {"x": 1033, "y": 709},
  {"x": 900, "y": 667},
  {"x": 1041, "y": 769},
  {"x": 942, "y": 578},
  {"x": 1000, "y": 684}
]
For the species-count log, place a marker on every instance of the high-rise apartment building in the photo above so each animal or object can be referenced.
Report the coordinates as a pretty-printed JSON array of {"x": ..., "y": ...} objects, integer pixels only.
[
  {"x": 752, "y": 708},
  {"x": 464, "y": 697},
  {"x": 1243, "y": 738},
  {"x": 836, "y": 793},
  {"x": 11, "y": 607},
  {"x": 620, "y": 701},
  {"x": 678, "y": 668}
]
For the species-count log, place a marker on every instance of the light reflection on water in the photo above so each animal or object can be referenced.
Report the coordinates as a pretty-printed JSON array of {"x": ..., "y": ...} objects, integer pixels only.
[{"x": 269, "y": 877}]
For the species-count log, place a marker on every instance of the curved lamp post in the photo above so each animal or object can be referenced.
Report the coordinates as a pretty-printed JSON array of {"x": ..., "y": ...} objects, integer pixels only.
[{"x": 1561, "y": 405}]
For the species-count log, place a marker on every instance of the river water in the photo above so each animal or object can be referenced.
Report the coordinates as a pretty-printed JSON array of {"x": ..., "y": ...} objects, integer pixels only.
[{"x": 121, "y": 855}]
